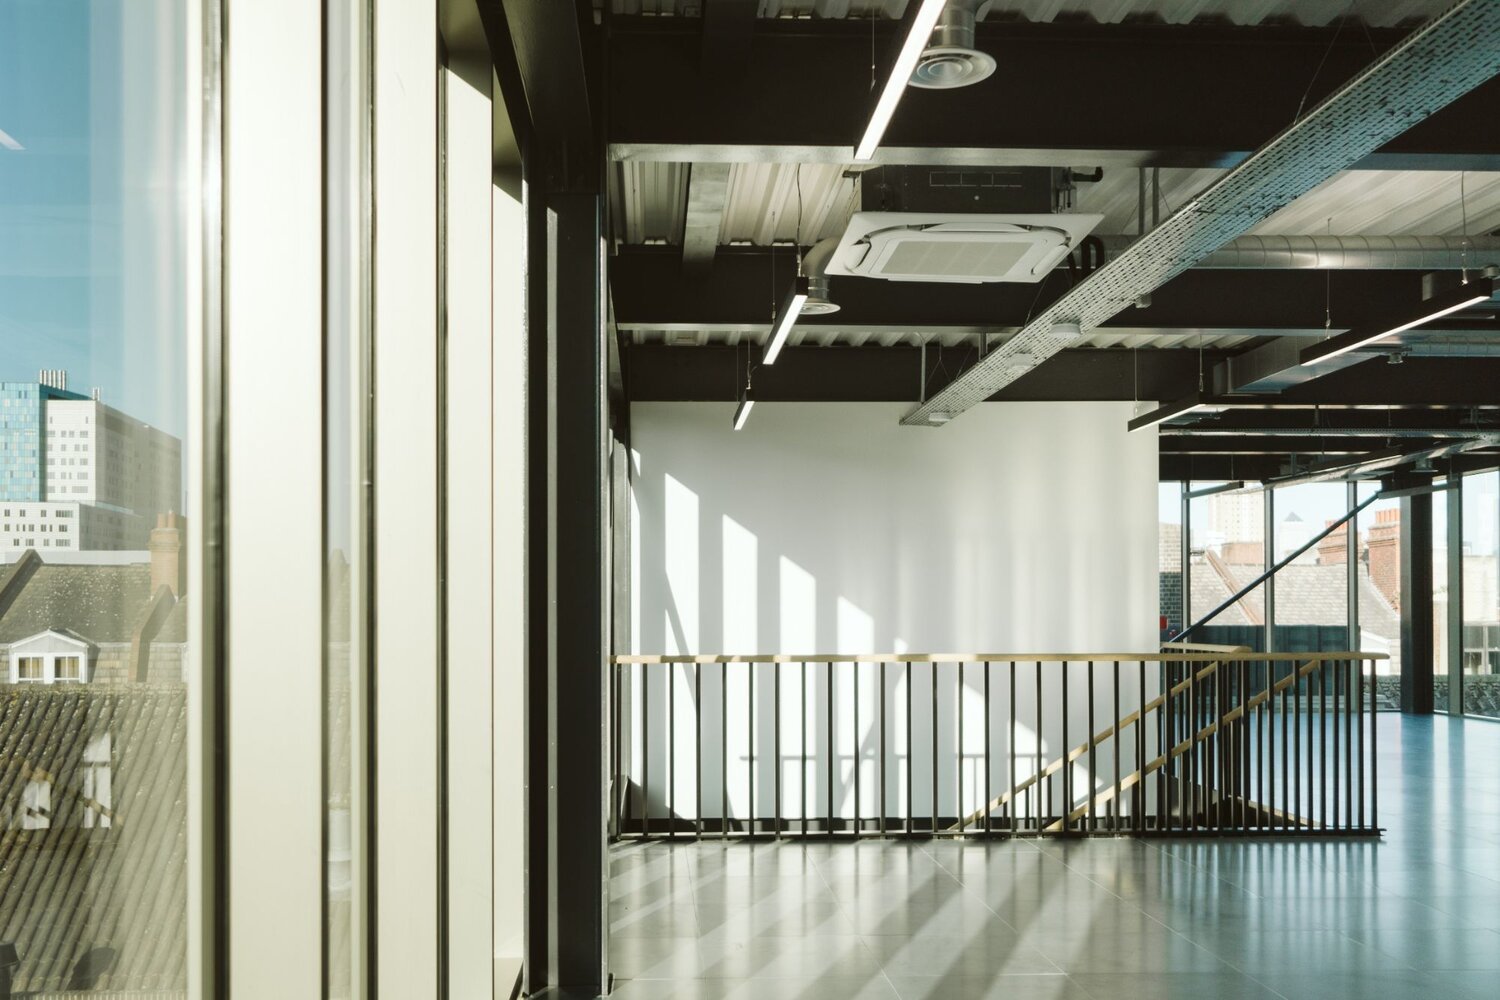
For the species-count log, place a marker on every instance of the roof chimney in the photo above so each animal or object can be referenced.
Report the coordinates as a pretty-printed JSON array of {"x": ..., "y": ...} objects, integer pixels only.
[{"x": 166, "y": 555}]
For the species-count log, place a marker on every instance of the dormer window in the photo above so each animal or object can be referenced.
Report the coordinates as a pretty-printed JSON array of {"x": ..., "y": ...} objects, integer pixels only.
[{"x": 55, "y": 656}]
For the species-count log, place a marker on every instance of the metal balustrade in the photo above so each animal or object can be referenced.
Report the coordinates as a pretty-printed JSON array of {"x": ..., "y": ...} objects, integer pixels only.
[{"x": 1191, "y": 741}]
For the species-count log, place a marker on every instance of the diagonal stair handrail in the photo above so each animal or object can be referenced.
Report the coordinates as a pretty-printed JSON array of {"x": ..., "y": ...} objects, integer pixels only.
[{"x": 1077, "y": 752}]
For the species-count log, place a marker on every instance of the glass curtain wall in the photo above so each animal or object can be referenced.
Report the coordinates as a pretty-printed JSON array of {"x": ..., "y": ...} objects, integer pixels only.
[
  {"x": 1481, "y": 598},
  {"x": 1169, "y": 557},
  {"x": 1377, "y": 533},
  {"x": 101, "y": 105},
  {"x": 1312, "y": 591},
  {"x": 1227, "y": 552}
]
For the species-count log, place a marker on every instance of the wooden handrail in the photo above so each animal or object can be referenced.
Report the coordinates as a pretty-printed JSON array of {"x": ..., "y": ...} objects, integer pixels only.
[{"x": 1136, "y": 657}]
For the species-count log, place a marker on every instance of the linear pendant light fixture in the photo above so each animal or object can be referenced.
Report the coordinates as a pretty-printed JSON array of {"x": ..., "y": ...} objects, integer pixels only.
[
  {"x": 895, "y": 84},
  {"x": 1462, "y": 297},
  {"x": 786, "y": 318},
  {"x": 1187, "y": 404},
  {"x": 742, "y": 412}
]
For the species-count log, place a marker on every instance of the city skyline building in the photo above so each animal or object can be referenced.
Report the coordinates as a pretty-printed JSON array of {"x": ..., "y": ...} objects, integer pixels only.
[{"x": 77, "y": 474}]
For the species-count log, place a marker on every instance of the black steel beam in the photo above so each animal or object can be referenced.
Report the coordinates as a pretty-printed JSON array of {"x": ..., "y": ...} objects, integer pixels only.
[
  {"x": 894, "y": 374},
  {"x": 886, "y": 374},
  {"x": 651, "y": 288},
  {"x": 547, "y": 51},
  {"x": 1063, "y": 93},
  {"x": 728, "y": 26},
  {"x": 1417, "y": 694}
]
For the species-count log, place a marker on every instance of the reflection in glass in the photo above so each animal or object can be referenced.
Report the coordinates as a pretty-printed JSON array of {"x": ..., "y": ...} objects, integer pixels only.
[{"x": 98, "y": 168}]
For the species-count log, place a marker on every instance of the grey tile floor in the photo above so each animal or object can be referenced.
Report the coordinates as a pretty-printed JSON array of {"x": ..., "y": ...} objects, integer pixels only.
[{"x": 1416, "y": 915}]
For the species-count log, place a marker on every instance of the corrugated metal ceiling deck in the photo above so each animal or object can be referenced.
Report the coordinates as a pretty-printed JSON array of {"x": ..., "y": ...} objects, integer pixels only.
[{"x": 1376, "y": 13}]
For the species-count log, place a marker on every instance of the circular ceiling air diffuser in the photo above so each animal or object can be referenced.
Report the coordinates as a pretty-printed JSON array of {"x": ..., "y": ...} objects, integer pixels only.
[{"x": 950, "y": 59}]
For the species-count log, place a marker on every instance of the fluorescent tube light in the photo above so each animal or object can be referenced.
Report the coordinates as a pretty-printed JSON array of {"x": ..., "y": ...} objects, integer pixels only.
[
  {"x": 895, "y": 84},
  {"x": 1436, "y": 307},
  {"x": 1187, "y": 404},
  {"x": 786, "y": 318},
  {"x": 742, "y": 412}
]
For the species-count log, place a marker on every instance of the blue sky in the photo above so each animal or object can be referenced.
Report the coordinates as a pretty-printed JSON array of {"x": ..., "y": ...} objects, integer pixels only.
[{"x": 92, "y": 240}]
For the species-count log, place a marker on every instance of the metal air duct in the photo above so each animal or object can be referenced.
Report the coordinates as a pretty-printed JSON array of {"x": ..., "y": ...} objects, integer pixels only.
[
  {"x": 1336, "y": 253},
  {"x": 815, "y": 267},
  {"x": 950, "y": 59}
]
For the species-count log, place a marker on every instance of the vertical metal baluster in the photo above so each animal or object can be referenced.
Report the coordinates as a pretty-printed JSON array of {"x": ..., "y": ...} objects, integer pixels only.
[
  {"x": 933, "y": 687},
  {"x": 1359, "y": 703},
  {"x": 1338, "y": 677},
  {"x": 1090, "y": 820},
  {"x": 1066, "y": 771},
  {"x": 832, "y": 751},
  {"x": 958, "y": 789},
  {"x": 1138, "y": 801},
  {"x": 1244, "y": 744},
  {"x": 989, "y": 781},
  {"x": 750, "y": 748},
  {"x": 671, "y": 751},
  {"x": 1289, "y": 760},
  {"x": 1164, "y": 776},
  {"x": 1374, "y": 751},
  {"x": 802, "y": 747},
  {"x": 1036, "y": 783},
  {"x": 858, "y": 750},
  {"x": 698, "y": 751},
  {"x": 1322, "y": 744},
  {"x": 776, "y": 666},
  {"x": 1010, "y": 757},
  {"x": 1297, "y": 749},
  {"x": 645, "y": 680},
  {"x": 724, "y": 750},
  {"x": 1349, "y": 742},
  {"x": 1115, "y": 810},
  {"x": 882, "y": 748},
  {"x": 910, "y": 820}
]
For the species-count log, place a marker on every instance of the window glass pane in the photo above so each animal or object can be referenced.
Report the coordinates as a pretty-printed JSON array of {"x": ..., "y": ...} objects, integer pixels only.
[
  {"x": 1379, "y": 533},
  {"x": 1227, "y": 553},
  {"x": 1312, "y": 591},
  {"x": 100, "y": 244},
  {"x": 1482, "y": 594},
  {"x": 1169, "y": 561},
  {"x": 344, "y": 437}
]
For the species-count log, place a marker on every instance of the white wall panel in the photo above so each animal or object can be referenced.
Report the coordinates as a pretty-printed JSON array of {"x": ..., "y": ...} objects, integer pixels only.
[{"x": 829, "y": 528}]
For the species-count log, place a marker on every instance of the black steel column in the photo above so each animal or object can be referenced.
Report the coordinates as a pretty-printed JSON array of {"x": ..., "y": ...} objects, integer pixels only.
[
  {"x": 577, "y": 623},
  {"x": 537, "y": 674},
  {"x": 1416, "y": 604},
  {"x": 1453, "y": 627}
]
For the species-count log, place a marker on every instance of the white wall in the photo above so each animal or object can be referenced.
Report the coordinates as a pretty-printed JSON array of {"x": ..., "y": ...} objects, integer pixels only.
[{"x": 829, "y": 528}]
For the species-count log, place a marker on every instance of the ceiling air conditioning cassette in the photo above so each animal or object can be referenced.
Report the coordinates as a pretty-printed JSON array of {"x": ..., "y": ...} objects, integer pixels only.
[{"x": 970, "y": 249}]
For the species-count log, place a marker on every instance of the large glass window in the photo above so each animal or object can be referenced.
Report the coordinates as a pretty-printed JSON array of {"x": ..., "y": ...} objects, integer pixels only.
[
  {"x": 1481, "y": 555},
  {"x": 100, "y": 239},
  {"x": 1378, "y": 534},
  {"x": 1312, "y": 591},
  {"x": 1169, "y": 557},
  {"x": 1226, "y": 554}
]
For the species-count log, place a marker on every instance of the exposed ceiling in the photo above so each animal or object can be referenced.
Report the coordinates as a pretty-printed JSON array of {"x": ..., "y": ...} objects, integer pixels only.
[
  {"x": 1312, "y": 13},
  {"x": 718, "y": 170}
]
